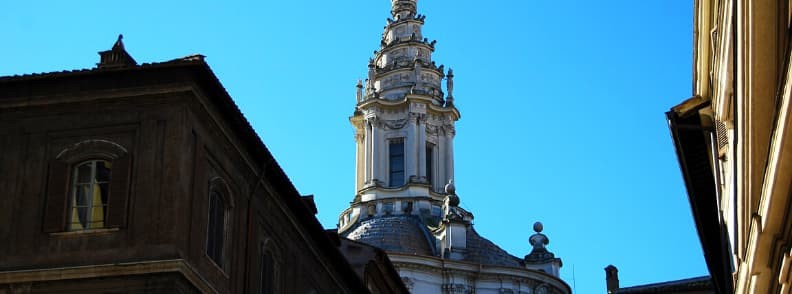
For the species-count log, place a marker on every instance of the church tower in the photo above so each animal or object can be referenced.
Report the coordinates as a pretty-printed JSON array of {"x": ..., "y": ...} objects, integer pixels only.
[
  {"x": 405, "y": 201},
  {"x": 404, "y": 124}
]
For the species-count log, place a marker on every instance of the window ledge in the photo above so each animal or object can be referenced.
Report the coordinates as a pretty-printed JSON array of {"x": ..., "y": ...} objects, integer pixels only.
[{"x": 92, "y": 232}]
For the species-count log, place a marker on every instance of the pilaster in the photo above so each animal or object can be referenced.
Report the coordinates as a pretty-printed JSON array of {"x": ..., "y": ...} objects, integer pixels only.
[
  {"x": 442, "y": 160},
  {"x": 368, "y": 150},
  {"x": 449, "y": 137},
  {"x": 376, "y": 147},
  {"x": 422, "y": 168},
  {"x": 360, "y": 156},
  {"x": 410, "y": 145}
]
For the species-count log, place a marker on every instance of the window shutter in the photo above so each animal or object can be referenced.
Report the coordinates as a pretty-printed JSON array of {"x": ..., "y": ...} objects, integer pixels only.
[
  {"x": 57, "y": 197},
  {"x": 119, "y": 192}
]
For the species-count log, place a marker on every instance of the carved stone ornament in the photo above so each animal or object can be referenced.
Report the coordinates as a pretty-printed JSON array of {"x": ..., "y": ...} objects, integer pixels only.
[
  {"x": 449, "y": 129},
  {"x": 374, "y": 121},
  {"x": 359, "y": 136},
  {"x": 414, "y": 117},
  {"x": 431, "y": 129},
  {"x": 418, "y": 107},
  {"x": 394, "y": 124},
  {"x": 542, "y": 289},
  {"x": 408, "y": 282},
  {"x": 458, "y": 289}
]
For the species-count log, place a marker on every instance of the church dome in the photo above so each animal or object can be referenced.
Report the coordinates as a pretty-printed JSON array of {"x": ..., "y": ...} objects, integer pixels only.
[
  {"x": 483, "y": 251},
  {"x": 402, "y": 233}
]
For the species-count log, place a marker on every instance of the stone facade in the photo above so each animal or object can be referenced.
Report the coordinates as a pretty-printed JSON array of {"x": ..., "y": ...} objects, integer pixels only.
[
  {"x": 732, "y": 140},
  {"x": 182, "y": 196},
  {"x": 405, "y": 201}
]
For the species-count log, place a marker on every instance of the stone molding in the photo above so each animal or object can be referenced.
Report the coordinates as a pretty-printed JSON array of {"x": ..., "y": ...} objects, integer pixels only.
[{"x": 108, "y": 270}]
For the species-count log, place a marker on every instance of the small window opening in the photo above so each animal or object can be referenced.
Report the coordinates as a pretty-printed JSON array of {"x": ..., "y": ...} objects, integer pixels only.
[
  {"x": 216, "y": 228},
  {"x": 396, "y": 162}
]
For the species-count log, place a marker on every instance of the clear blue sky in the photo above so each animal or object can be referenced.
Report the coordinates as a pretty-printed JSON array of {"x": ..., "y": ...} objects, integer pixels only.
[{"x": 562, "y": 105}]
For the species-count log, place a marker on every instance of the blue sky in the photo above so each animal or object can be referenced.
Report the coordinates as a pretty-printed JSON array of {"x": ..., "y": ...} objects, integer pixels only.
[{"x": 562, "y": 105}]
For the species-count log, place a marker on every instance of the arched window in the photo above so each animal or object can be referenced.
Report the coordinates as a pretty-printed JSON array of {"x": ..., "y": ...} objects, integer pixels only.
[
  {"x": 215, "y": 236},
  {"x": 269, "y": 267},
  {"x": 90, "y": 186},
  {"x": 266, "y": 272}
]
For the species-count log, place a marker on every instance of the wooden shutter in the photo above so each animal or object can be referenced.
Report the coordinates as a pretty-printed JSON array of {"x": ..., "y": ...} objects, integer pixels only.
[
  {"x": 119, "y": 192},
  {"x": 55, "y": 209}
]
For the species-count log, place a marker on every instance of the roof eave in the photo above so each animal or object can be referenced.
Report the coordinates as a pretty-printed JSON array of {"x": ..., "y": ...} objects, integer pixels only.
[{"x": 693, "y": 153}]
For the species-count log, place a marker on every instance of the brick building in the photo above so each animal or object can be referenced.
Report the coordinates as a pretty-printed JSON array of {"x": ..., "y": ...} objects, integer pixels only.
[{"x": 147, "y": 178}]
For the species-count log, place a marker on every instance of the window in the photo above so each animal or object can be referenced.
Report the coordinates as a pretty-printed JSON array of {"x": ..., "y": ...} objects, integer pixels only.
[
  {"x": 87, "y": 187},
  {"x": 388, "y": 208},
  {"x": 371, "y": 210},
  {"x": 407, "y": 207},
  {"x": 88, "y": 200},
  {"x": 269, "y": 265},
  {"x": 429, "y": 163},
  {"x": 216, "y": 228},
  {"x": 266, "y": 272},
  {"x": 396, "y": 162}
]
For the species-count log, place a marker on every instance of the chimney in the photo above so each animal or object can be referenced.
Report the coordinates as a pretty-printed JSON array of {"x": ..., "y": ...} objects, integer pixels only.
[
  {"x": 116, "y": 56},
  {"x": 612, "y": 278}
]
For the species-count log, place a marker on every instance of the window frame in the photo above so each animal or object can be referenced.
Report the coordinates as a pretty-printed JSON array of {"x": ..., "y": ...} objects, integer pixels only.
[
  {"x": 94, "y": 184},
  {"x": 392, "y": 168},
  {"x": 218, "y": 186},
  {"x": 266, "y": 249},
  {"x": 59, "y": 184},
  {"x": 430, "y": 163}
]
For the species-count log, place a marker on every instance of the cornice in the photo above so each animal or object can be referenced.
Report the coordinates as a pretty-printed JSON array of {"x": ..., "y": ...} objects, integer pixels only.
[
  {"x": 438, "y": 265},
  {"x": 400, "y": 188},
  {"x": 399, "y": 43},
  {"x": 419, "y": 18},
  {"x": 408, "y": 66},
  {"x": 109, "y": 270},
  {"x": 405, "y": 102}
]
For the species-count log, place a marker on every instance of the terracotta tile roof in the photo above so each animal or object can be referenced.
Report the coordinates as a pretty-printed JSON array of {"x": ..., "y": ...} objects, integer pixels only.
[{"x": 194, "y": 59}]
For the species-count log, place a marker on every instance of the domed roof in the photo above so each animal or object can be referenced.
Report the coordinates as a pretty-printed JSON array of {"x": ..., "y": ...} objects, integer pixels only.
[
  {"x": 483, "y": 251},
  {"x": 408, "y": 234},
  {"x": 400, "y": 233}
]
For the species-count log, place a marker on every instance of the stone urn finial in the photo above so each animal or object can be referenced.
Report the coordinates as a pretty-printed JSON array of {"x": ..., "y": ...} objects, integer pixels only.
[{"x": 539, "y": 242}]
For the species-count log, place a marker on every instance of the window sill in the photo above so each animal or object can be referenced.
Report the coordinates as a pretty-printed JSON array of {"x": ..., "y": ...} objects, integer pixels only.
[{"x": 80, "y": 233}]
